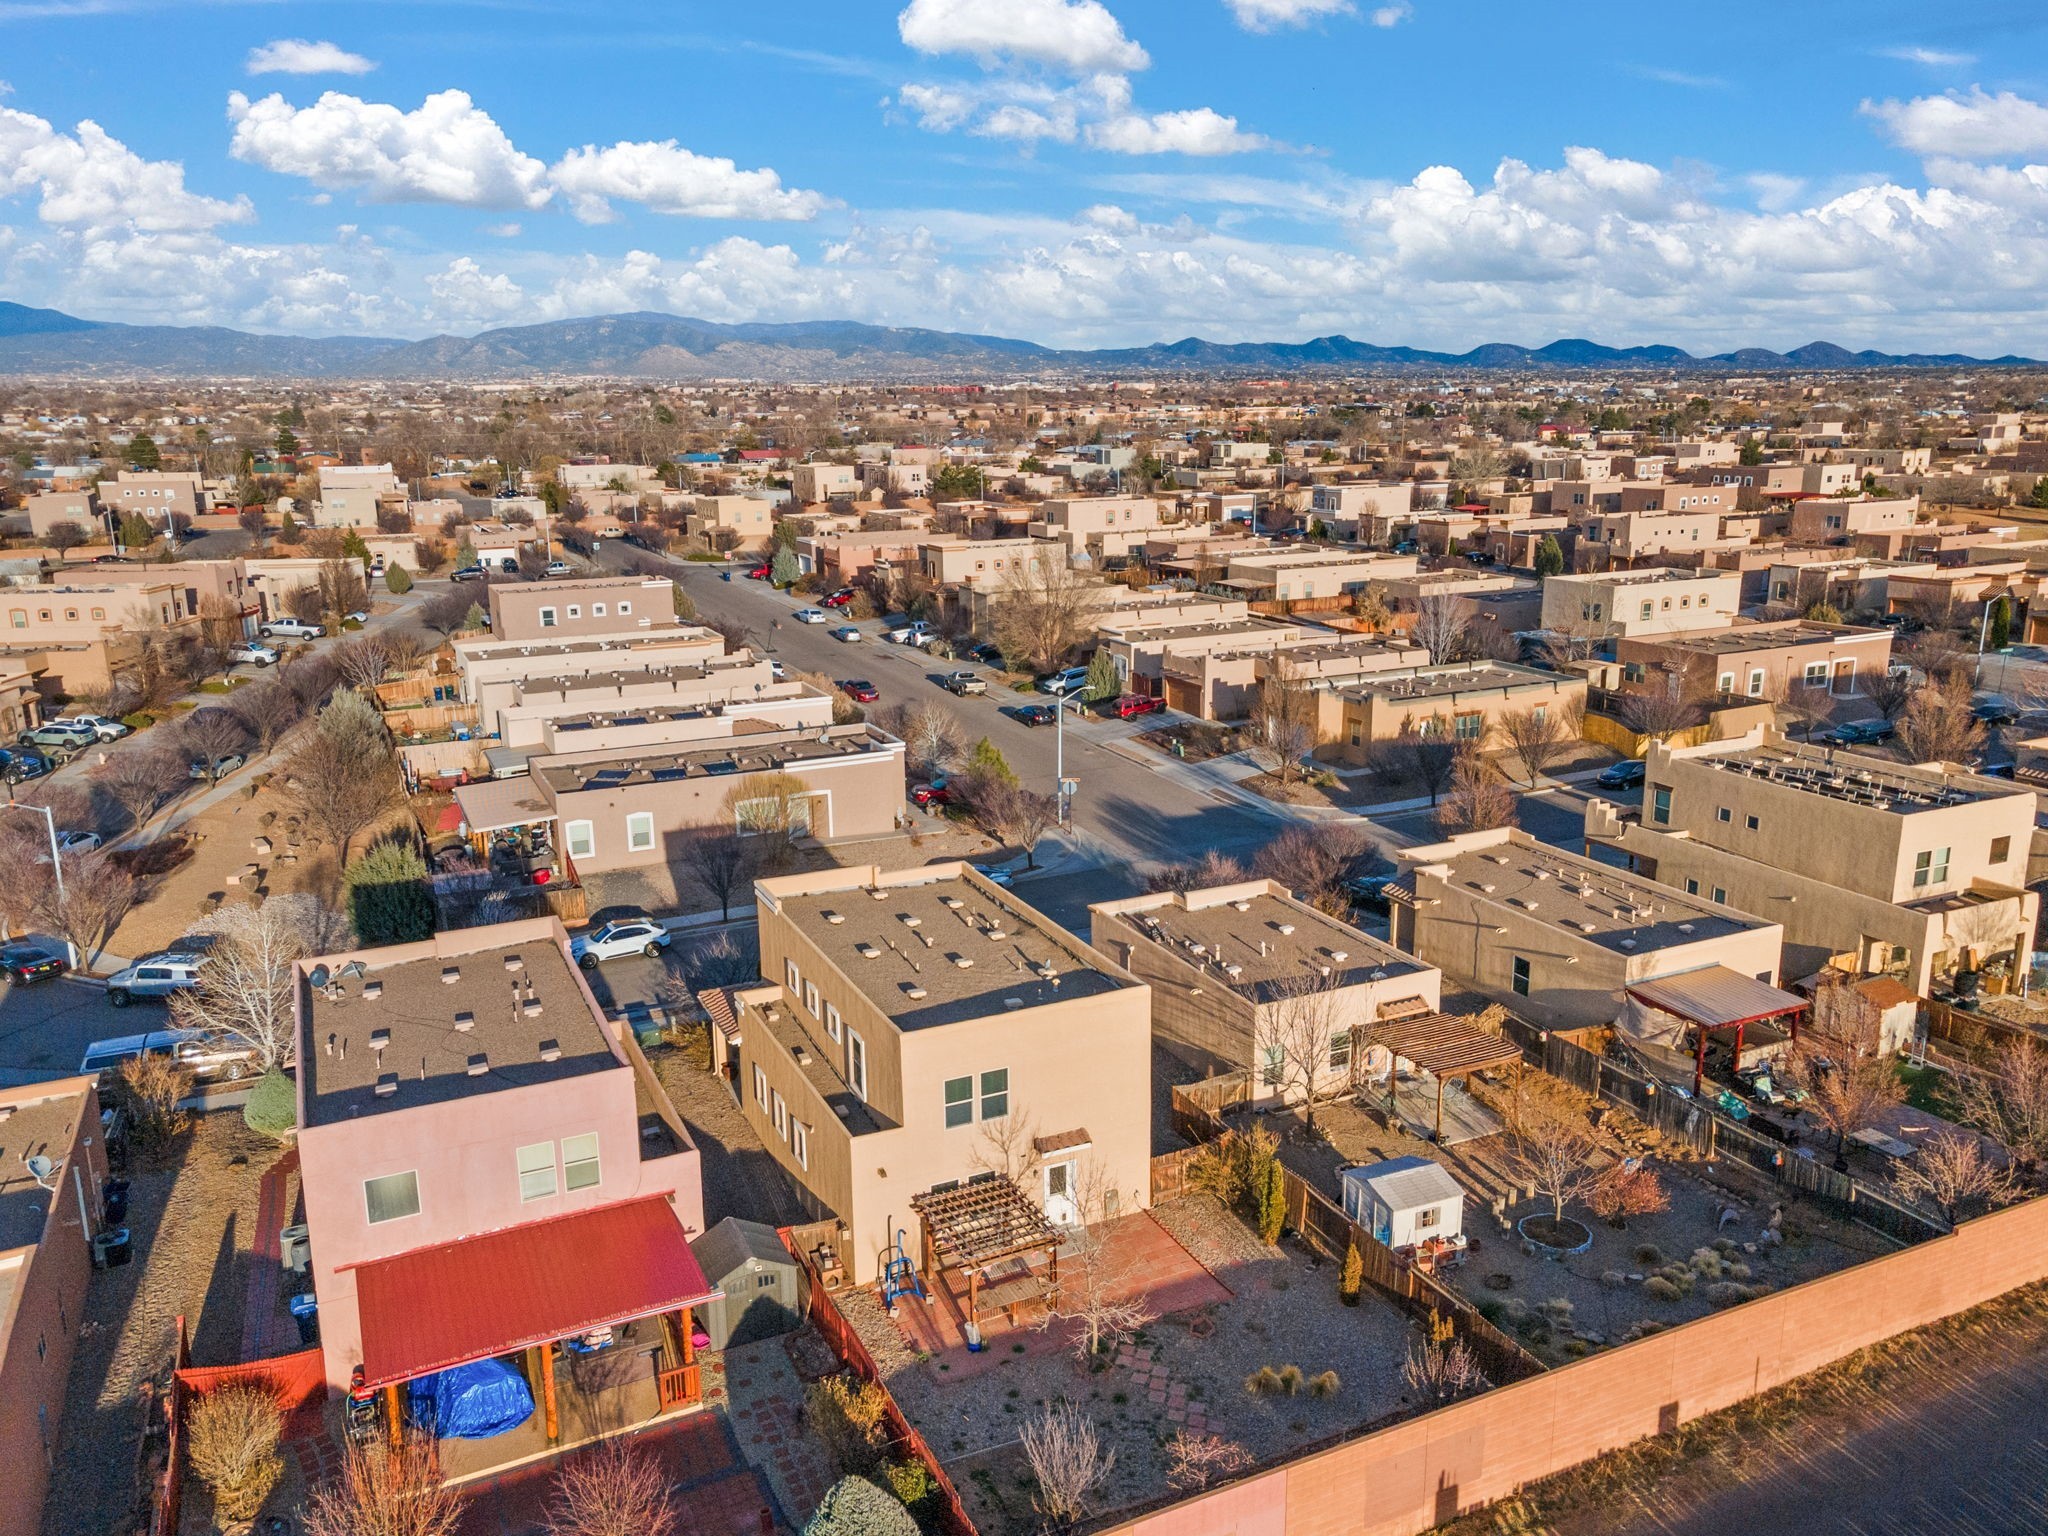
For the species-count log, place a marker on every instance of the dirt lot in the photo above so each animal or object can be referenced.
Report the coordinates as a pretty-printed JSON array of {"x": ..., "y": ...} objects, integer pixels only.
[{"x": 192, "y": 1224}]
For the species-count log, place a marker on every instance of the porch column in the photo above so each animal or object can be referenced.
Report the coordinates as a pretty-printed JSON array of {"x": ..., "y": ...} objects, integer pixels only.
[
  {"x": 550, "y": 1410},
  {"x": 1439, "y": 1134},
  {"x": 394, "y": 1416},
  {"x": 1699, "y": 1057},
  {"x": 1738, "y": 1046},
  {"x": 689, "y": 1327},
  {"x": 974, "y": 1296}
]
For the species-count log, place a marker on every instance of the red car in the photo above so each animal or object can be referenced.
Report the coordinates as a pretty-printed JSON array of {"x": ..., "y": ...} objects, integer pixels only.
[
  {"x": 838, "y": 599},
  {"x": 759, "y": 573},
  {"x": 860, "y": 690},
  {"x": 1137, "y": 704},
  {"x": 931, "y": 794}
]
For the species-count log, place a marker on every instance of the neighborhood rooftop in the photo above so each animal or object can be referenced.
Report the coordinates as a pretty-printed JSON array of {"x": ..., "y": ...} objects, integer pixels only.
[
  {"x": 36, "y": 1127},
  {"x": 617, "y": 770},
  {"x": 1262, "y": 947},
  {"x": 1872, "y": 781},
  {"x": 443, "y": 1026}
]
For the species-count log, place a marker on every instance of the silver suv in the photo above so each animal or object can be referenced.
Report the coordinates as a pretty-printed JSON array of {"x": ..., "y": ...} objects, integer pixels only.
[{"x": 158, "y": 976}]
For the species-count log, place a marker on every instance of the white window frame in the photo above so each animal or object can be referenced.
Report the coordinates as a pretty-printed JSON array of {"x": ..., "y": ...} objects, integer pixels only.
[
  {"x": 800, "y": 1142},
  {"x": 625, "y": 609},
  {"x": 986, "y": 1096},
  {"x": 760, "y": 1086},
  {"x": 597, "y": 610},
  {"x": 835, "y": 1026},
  {"x": 575, "y": 610},
  {"x": 575, "y": 1160},
  {"x": 778, "y": 1114},
  {"x": 811, "y": 1000},
  {"x": 528, "y": 1161},
  {"x": 384, "y": 1178},
  {"x": 857, "y": 1064},
  {"x": 956, "y": 1113},
  {"x": 583, "y": 832},
  {"x": 547, "y": 618},
  {"x": 637, "y": 823}
]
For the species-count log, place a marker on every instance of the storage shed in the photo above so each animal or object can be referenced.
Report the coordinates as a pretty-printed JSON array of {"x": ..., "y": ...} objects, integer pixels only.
[
  {"x": 747, "y": 1262},
  {"x": 1405, "y": 1201}
]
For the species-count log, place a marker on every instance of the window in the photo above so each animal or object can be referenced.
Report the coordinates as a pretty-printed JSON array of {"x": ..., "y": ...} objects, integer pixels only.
[
  {"x": 959, "y": 1102},
  {"x": 575, "y": 610},
  {"x": 582, "y": 843},
  {"x": 536, "y": 1171},
  {"x": 760, "y": 1087},
  {"x": 1756, "y": 682},
  {"x": 995, "y": 1094},
  {"x": 640, "y": 831},
  {"x": 1930, "y": 868},
  {"x": 1428, "y": 1218},
  {"x": 1722, "y": 813},
  {"x": 1816, "y": 674},
  {"x": 779, "y": 1114},
  {"x": 624, "y": 609},
  {"x": 1721, "y": 895},
  {"x": 795, "y": 977},
  {"x": 1692, "y": 886},
  {"x": 392, "y": 1197},
  {"x": 2001, "y": 849},
  {"x": 1275, "y": 1060},
  {"x": 833, "y": 1023},
  {"x": 1340, "y": 1050},
  {"x": 800, "y": 1148},
  {"x": 596, "y": 610},
  {"x": 99, "y": 613},
  {"x": 1647, "y": 610},
  {"x": 811, "y": 998},
  {"x": 1660, "y": 804},
  {"x": 579, "y": 1161},
  {"x": 1471, "y": 727},
  {"x": 1750, "y": 822},
  {"x": 547, "y": 618},
  {"x": 1521, "y": 976},
  {"x": 857, "y": 1064}
]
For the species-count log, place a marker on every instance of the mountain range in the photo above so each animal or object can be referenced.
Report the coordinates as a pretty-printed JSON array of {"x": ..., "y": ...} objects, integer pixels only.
[{"x": 657, "y": 346}]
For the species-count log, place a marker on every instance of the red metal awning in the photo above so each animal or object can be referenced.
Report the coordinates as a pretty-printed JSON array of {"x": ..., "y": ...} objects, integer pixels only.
[{"x": 433, "y": 1308}]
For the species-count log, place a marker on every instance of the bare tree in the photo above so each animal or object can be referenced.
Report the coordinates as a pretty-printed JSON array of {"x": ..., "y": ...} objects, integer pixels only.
[
  {"x": 1553, "y": 1155},
  {"x": 1938, "y": 725},
  {"x": 1040, "y": 616},
  {"x": 2008, "y": 1099},
  {"x": 611, "y": 1489},
  {"x": 220, "y": 630},
  {"x": 1309, "y": 861},
  {"x": 1194, "y": 1461},
  {"x": 774, "y": 808},
  {"x": 1284, "y": 718},
  {"x": 212, "y": 735},
  {"x": 1668, "y": 702},
  {"x": 1478, "y": 799},
  {"x": 1540, "y": 735},
  {"x": 1424, "y": 752},
  {"x": 386, "y": 1491},
  {"x": 1440, "y": 624},
  {"x": 270, "y": 709},
  {"x": 1890, "y": 691},
  {"x": 141, "y": 779},
  {"x": 1017, "y": 815},
  {"x": 1211, "y": 869},
  {"x": 1442, "y": 1370},
  {"x": 361, "y": 661},
  {"x": 404, "y": 649},
  {"x": 1067, "y": 1458},
  {"x": 245, "y": 988},
  {"x": 722, "y": 862},
  {"x": 1841, "y": 1064},
  {"x": 1295, "y": 1029},
  {"x": 96, "y": 895},
  {"x": 341, "y": 775},
  {"x": 933, "y": 737},
  {"x": 1952, "y": 1169},
  {"x": 444, "y": 612},
  {"x": 736, "y": 635}
]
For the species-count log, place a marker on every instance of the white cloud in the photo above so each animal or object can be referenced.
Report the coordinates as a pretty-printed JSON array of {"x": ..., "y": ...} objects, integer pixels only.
[
  {"x": 1681, "y": 77},
  {"x": 1972, "y": 125},
  {"x": 1391, "y": 15},
  {"x": 448, "y": 150},
  {"x": 1198, "y": 131},
  {"x": 1933, "y": 58},
  {"x": 465, "y": 296},
  {"x": 91, "y": 181},
  {"x": 1265, "y": 15},
  {"x": 1110, "y": 217},
  {"x": 939, "y": 108},
  {"x": 667, "y": 178},
  {"x": 1029, "y": 124},
  {"x": 296, "y": 56},
  {"x": 509, "y": 230},
  {"x": 1079, "y": 36}
]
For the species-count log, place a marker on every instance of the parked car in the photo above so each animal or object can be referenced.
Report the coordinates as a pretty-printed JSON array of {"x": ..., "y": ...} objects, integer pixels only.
[
  {"x": 158, "y": 976},
  {"x": 919, "y": 633},
  {"x": 469, "y": 573},
  {"x": 1063, "y": 682},
  {"x": 839, "y": 599},
  {"x": 359, "y": 618},
  {"x": 759, "y": 573},
  {"x": 252, "y": 653},
  {"x": 1136, "y": 704},
  {"x": 626, "y": 936},
  {"x": 1860, "y": 733},
  {"x": 1036, "y": 714},
  {"x": 860, "y": 690},
  {"x": 813, "y": 616},
  {"x": 995, "y": 874},
  {"x": 207, "y": 1057},
  {"x": 292, "y": 629},
  {"x": 935, "y": 793},
  {"x": 1629, "y": 775},
  {"x": 777, "y": 670},
  {"x": 103, "y": 728},
  {"x": 222, "y": 766},
  {"x": 558, "y": 567},
  {"x": 76, "y": 842},
  {"x": 21, "y": 763},
  {"x": 1994, "y": 709},
  {"x": 964, "y": 683},
  {"x": 1369, "y": 891},
  {"x": 846, "y": 634},
  {"x": 24, "y": 962},
  {"x": 61, "y": 739},
  {"x": 988, "y": 655}
]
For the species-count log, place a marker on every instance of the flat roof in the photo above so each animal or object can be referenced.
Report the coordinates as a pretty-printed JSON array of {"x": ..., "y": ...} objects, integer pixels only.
[
  {"x": 947, "y": 949},
  {"x": 1459, "y": 677},
  {"x": 1763, "y": 637},
  {"x": 511, "y": 1015},
  {"x": 1596, "y": 902},
  {"x": 668, "y": 635},
  {"x": 730, "y": 757},
  {"x": 568, "y": 684},
  {"x": 1877, "y": 783},
  {"x": 1262, "y": 945},
  {"x": 31, "y": 1127}
]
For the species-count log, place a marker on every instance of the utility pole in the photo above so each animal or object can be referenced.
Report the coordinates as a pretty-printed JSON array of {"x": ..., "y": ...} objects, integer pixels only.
[{"x": 56, "y": 860}]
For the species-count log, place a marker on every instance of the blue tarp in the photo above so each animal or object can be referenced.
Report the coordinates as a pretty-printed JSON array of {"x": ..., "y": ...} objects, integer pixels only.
[{"x": 472, "y": 1402}]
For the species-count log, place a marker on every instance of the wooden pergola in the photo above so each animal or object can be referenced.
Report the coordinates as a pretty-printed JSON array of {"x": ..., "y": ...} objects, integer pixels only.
[
  {"x": 1443, "y": 1045},
  {"x": 988, "y": 1230}
]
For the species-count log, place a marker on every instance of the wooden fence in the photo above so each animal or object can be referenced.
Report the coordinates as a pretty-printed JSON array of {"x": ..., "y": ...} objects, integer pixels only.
[
  {"x": 164, "y": 1505},
  {"x": 949, "y": 1515}
]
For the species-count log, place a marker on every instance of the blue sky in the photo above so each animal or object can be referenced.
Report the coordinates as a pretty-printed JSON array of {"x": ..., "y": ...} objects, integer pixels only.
[{"x": 1437, "y": 172}]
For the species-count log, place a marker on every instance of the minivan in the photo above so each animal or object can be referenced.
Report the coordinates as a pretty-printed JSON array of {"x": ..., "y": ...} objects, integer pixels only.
[
  {"x": 203, "y": 1055},
  {"x": 1063, "y": 682},
  {"x": 158, "y": 976}
]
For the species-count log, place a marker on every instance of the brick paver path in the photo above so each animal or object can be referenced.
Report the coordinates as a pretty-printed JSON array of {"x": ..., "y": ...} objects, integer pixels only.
[{"x": 763, "y": 1399}]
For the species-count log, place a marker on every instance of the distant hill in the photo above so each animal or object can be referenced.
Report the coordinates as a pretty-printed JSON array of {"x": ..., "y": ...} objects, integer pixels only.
[{"x": 656, "y": 346}]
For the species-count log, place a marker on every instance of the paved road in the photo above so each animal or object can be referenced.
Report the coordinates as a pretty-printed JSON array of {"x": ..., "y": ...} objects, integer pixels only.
[{"x": 45, "y": 1028}]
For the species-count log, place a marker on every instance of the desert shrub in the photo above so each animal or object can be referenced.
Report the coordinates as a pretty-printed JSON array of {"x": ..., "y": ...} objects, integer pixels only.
[
  {"x": 151, "y": 1089},
  {"x": 1725, "y": 1245},
  {"x": 1613, "y": 1279},
  {"x": 847, "y": 1415},
  {"x": 1290, "y": 1379},
  {"x": 272, "y": 1109},
  {"x": 234, "y": 1436},
  {"x": 1515, "y": 1311},
  {"x": 1642, "y": 1328},
  {"x": 1264, "y": 1382},
  {"x": 853, "y": 1506},
  {"x": 911, "y": 1481},
  {"x": 1493, "y": 1311},
  {"x": 1707, "y": 1264},
  {"x": 1649, "y": 1255},
  {"x": 397, "y": 580},
  {"x": 1661, "y": 1289},
  {"x": 1216, "y": 1171},
  {"x": 1557, "y": 1311},
  {"x": 1727, "y": 1293},
  {"x": 1324, "y": 1384}
]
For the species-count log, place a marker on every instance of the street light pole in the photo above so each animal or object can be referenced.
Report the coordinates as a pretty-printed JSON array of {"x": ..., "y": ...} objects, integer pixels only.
[{"x": 56, "y": 864}]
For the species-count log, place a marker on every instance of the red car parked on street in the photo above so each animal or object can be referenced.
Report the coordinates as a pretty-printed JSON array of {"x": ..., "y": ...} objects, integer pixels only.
[{"x": 1136, "y": 704}]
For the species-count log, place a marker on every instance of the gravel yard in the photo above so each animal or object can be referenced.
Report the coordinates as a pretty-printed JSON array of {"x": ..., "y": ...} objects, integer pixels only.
[{"x": 740, "y": 1178}]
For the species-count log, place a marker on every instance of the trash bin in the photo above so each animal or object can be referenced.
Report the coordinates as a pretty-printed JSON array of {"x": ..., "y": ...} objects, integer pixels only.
[
  {"x": 305, "y": 1312},
  {"x": 112, "y": 1248},
  {"x": 114, "y": 1201}
]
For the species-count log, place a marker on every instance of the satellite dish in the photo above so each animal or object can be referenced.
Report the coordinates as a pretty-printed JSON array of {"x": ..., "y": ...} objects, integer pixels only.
[
  {"x": 1379, "y": 1061},
  {"x": 318, "y": 976},
  {"x": 353, "y": 968},
  {"x": 42, "y": 1169}
]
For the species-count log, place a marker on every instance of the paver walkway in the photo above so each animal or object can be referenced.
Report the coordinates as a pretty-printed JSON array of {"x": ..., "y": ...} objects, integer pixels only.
[
  {"x": 267, "y": 1326},
  {"x": 763, "y": 1400},
  {"x": 1161, "y": 1387}
]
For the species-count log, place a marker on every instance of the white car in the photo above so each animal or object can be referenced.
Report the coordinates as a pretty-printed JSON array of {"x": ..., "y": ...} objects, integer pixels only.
[
  {"x": 813, "y": 616},
  {"x": 103, "y": 728},
  {"x": 626, "y": 936},
  {"x": 359, "y": 617},
  {"x": 846, "y": 634},
  {"x": 777, "y": 670},
  {"x": 919, "y": 633},
  {"x": 255, "y": 655},
  {"x": 293, "y": 629},
  {"x": 77, "y": 842}
]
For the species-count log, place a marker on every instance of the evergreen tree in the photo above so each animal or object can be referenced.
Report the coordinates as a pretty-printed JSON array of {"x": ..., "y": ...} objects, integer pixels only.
[
  {"x": 286, "y": 443},
  {"x": 352, "y": 544},
  {"x": 143, "y": 453},
  {"x": 1102, "y": 682},
  {"x": 287, "y": 529},
  {"x": 388, "y": 898},
  {"x": 397, "y": 581},
  {"x": 784, "y": 571},
  {"x": 136, "y": 532},
  {"x": 986, "y": 761},
  {"x": 1549, "y": 556},
  {"x": 1752, "y": 450},
  {"x": 2001, "y": 623}
]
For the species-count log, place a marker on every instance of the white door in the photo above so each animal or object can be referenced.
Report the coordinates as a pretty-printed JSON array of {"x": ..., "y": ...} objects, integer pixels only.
[{"x": 1060, "y": 1207}]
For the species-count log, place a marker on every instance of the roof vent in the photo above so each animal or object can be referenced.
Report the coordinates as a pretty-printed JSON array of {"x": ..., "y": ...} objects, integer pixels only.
[
  {"x": 513, "y": 962},
  {"x": 878, "y": 893},
  {"x": 1628, "y": 943},
  {"x": 379, "y": 1038},
  {"x": 372, "y": 990},
  {"x": 387, "y": 1084},
  {"x": 450, "y": 974},
  {"x": 964, "y": 962},
  {"x": 465, "y": 1021},
  {"x": 1340, "y": 955},
  {"x": 1287, "y": 927},
  {"x": 867, "y": 951},
  {"x": 910, "y": 920},
  {"x": 914, "y": 992},
  {"x": 1242, "y": 906},
  {"x": 551, "y": 1050},
  {"x": 1013, "y": 1002},
  {"x": 479, "y": 1064},
  {"x": 803, "y": 1057},
  {"x": 997, "y": 935},
  {"x": 1685, "y": 928},
  {"x": 834, "y": 918},
  {"x": 842, "y": 1111},
  {"x": 530, "y": 1008},
  {"x": 953, "y": 902}
]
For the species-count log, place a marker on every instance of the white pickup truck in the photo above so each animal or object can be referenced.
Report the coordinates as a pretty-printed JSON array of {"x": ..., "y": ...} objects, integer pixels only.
[
  {"x": 293, "y": 629},
  {"x": 919, "y": 633}
]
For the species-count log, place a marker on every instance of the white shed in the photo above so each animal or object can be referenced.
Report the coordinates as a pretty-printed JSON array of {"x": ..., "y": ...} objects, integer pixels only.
[{"x": 1404, "y": 1201}]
